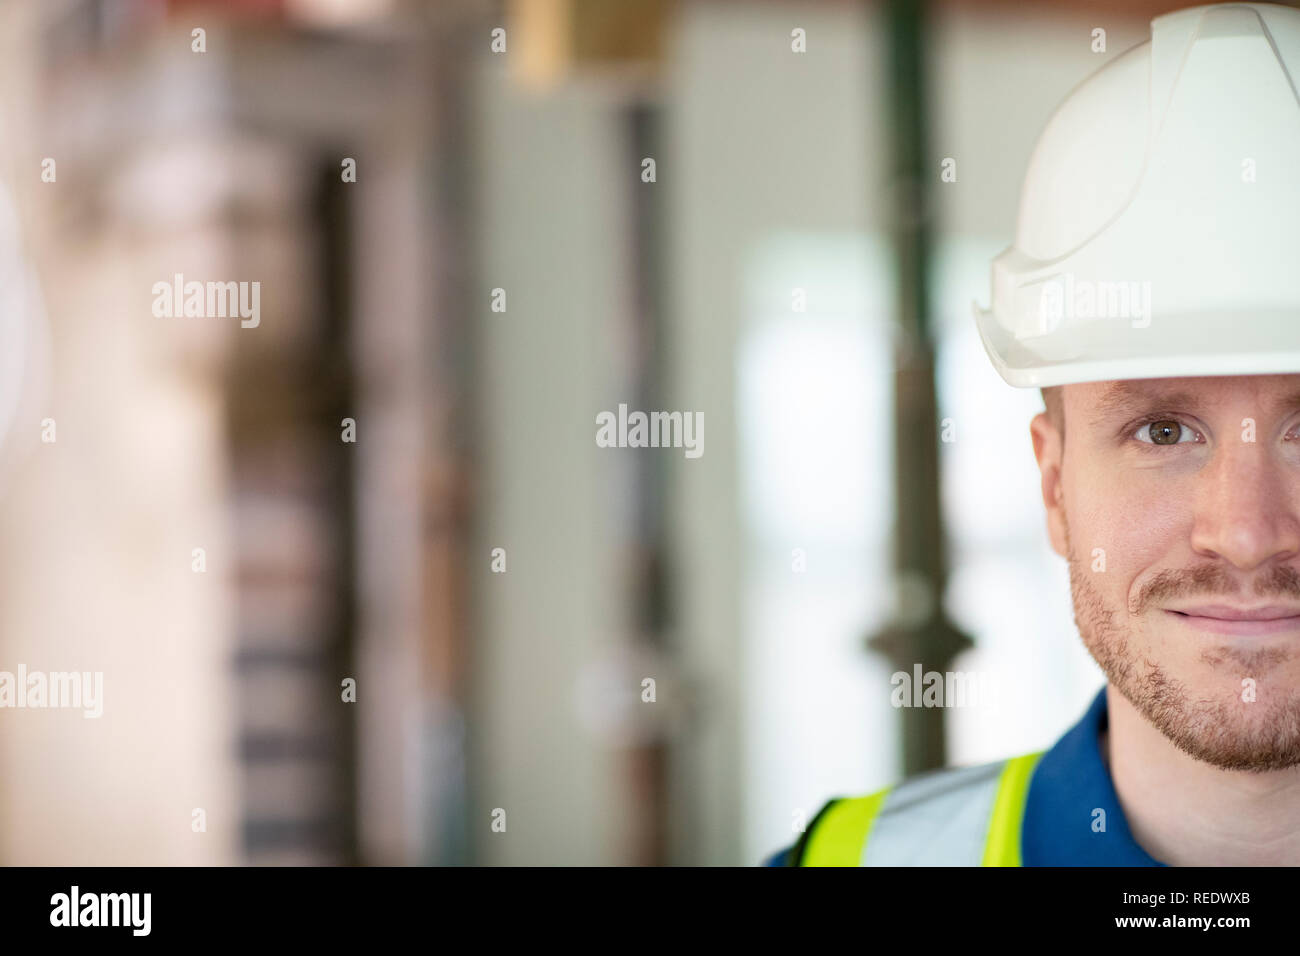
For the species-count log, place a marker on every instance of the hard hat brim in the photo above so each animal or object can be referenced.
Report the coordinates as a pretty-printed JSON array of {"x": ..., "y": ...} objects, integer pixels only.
[{"x": 1220, "y": 342}]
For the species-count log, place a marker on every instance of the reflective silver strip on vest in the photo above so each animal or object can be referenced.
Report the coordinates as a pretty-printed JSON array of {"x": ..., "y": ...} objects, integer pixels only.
[{"x": 937, "y": 819}]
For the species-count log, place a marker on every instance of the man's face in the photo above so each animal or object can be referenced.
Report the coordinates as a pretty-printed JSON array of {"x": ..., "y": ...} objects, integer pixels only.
[{"x": 1177, "y": 504}]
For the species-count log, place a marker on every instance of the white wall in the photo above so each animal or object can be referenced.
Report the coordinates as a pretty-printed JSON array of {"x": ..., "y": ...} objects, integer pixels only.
[{"x": 553, "y": 179}]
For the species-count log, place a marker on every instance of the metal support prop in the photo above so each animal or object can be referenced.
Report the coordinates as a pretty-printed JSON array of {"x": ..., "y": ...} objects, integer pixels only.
[{"x": 920, "y": 633}]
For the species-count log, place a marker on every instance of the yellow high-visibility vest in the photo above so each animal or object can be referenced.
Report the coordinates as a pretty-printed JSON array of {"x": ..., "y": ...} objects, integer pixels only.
[{"x": 969, "y": 816}]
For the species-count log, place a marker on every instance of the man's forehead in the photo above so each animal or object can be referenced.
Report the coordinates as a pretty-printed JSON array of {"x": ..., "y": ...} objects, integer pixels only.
[{"x": 1269, "y": 392}]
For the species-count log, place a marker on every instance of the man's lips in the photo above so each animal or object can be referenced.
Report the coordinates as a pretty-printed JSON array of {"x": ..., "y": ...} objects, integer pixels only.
[{"x": 1224, "y": 619}]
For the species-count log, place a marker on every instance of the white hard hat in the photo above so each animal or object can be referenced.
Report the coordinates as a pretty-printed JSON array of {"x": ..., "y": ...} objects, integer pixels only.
[{"x": 1159, "y": 225}]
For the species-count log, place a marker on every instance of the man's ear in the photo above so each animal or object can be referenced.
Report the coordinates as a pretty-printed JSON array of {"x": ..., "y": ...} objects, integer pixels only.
[{"x": 1048, "y": 448}]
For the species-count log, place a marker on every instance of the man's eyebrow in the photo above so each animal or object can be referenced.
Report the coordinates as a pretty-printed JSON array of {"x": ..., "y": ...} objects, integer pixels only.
[
  {"x": 1289, "y": 401},
  {"x": 1125, "y": 397},
  {"x": 1120, "y": 397}
]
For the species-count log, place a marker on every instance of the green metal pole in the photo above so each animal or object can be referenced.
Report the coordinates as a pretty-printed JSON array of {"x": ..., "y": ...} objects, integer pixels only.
[{"x": 920, "y": 632}]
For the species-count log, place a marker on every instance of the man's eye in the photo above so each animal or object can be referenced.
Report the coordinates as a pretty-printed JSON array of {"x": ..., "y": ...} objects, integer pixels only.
[{"x": 1165, "y": 431}]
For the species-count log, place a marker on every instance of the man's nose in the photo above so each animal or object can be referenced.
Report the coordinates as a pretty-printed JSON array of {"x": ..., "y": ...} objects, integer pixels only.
[{"x": 1246, "y": 507}]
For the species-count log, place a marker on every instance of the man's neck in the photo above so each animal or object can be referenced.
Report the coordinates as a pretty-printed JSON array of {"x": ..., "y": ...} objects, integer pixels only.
[{"x": 1185, "y": 812}]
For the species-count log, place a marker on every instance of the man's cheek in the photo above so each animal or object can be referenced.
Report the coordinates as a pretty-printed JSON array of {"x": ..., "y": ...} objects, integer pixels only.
[{"x": 1139, "y": 530}]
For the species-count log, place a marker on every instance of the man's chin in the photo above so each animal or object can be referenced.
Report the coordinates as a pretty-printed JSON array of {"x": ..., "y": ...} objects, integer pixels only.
[{"x": 1228, "y": 730}]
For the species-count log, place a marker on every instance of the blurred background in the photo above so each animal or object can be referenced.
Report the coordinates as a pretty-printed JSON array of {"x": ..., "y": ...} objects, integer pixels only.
[{"x": 562, "y": 653}]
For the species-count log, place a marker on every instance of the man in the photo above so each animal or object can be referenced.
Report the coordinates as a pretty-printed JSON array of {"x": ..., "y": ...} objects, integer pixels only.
[{"x": 1153, "y": 293}]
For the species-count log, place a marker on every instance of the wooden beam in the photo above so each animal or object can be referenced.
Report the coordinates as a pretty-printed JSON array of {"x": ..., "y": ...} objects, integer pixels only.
[{"x": 550, "y": 39}]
